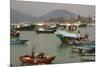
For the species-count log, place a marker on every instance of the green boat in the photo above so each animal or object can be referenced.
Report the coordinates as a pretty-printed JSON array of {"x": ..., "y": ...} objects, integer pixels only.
[
  {"x": 70, "y": 37},
  {"x": 66, "y": 39}
]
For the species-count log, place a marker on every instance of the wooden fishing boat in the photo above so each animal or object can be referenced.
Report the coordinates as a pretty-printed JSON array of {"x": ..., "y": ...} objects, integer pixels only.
[{"x": 28, "y": 59}]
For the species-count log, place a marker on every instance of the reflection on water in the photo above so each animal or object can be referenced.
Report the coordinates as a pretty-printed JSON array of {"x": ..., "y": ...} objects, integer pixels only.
[{"x": 48, "y": 43}]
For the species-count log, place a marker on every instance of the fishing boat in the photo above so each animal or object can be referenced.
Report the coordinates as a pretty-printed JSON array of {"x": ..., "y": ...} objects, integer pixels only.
[
  {"x": 17, "y": 41},
  {"x": 14, "y": 33},
  {"x": 85, "y": 49},
  {"x": 53, "y": 26},
  {"x": 43, "y": 29},
  {"x": 70, "y": 35},
  {"x": 28, "y": 59},
  {"x": 83, "y": 25}
]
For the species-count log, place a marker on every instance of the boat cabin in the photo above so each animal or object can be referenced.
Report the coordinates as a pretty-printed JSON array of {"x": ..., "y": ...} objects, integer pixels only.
[{"x": 71, "y": 27}]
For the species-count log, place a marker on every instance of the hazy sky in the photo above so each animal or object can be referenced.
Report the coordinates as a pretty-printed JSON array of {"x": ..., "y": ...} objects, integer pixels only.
[{"x": 39, "y": 9}]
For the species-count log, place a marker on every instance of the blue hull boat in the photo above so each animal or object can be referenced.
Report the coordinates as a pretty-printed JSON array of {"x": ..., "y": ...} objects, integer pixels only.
[
  {"x": 18, "y": 41},
  {"x": 86, "y": 48}
]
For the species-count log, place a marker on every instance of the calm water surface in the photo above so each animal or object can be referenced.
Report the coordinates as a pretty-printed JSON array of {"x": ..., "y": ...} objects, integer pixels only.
[{"x": 48, "y": 43}]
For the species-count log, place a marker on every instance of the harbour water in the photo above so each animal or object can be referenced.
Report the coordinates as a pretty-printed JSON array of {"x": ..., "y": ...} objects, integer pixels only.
[{"x": 48, "y": 43}]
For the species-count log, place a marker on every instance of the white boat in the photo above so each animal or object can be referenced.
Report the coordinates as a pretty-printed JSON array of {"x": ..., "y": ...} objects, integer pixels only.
[
  {"x": 45, "y": 29},
  {"x": 71, "y": 34}
]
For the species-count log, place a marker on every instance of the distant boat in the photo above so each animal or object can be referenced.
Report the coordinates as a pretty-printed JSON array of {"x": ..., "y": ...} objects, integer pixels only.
[
  {"x": 26, "y": 28},
  {"x": 53, "y": 27},
  {"x": 83, "y": 25},
  {"x": 92, "y": 24},
  {"x": 18, "y": 41},
  {"x": 45, "y": 29},
  {"x": 40, "y": 30},
  {"x": 14, "y": 33}
]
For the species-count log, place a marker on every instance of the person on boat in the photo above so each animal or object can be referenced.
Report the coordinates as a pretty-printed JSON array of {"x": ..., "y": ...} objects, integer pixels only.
[
  {"x": 81, "y": 52},
  {"x": 41, "y": 55},
  {"x": 47, "y": 57},
  {"x": 86, "y": 37},
  {"x": 33, "y": 51},
  {"x": 78, "y": 33},
  {"x": 33, "y": 54}
]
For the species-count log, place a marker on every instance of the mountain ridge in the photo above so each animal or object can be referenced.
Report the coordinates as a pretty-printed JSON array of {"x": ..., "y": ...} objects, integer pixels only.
[
  {"x": 16, "y": 16},
  {"x": 57, "y": 14}
]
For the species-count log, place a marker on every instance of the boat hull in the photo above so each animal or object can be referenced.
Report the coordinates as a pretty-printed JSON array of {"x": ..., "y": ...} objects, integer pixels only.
[
  {"x": 60, "y": 37},
  {"x": 18, "y": 42},
  {"x": 45, "y": 31},
  {"x": 68, "y": 40},
  {"x": 32, "y": 60},
  {"x": 14, "y": 34}
]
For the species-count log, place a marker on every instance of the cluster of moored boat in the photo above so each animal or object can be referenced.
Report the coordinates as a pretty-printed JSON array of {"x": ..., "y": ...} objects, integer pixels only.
[
  {"x": 68, "y": 35},
  {"x": 86, "y": 50}
]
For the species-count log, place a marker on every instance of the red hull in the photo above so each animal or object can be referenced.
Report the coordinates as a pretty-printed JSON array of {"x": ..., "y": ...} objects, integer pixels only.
[{"x": 27, "y": 59}]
